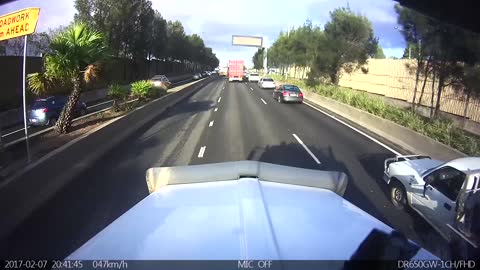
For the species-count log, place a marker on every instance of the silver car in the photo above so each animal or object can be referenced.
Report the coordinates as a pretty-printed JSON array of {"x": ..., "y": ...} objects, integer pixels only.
[{"x": 288, "y": 93}]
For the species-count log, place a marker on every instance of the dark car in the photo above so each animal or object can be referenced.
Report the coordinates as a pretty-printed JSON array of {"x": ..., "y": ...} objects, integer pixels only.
[
  {"x": 45, "y": 111},
  {"x": 288, "y": 93}
]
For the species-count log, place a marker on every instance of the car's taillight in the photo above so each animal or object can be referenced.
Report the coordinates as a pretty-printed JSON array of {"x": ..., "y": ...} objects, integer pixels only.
[
  {"x": 45, "y": 110},
  {"x": 285, "y": 93},
  {"x": 300, "y": 95}
]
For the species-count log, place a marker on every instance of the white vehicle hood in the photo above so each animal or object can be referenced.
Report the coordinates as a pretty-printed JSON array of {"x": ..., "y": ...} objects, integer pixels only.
[
  {"x": 420, "y": 166},
  {"x": 238, "y": 219}
]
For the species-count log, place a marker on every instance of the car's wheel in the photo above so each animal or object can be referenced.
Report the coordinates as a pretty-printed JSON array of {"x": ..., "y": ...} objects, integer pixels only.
[
  {"x": 52, "y": 121},
  {"x": 279, "y": 99},
  {"x": 398, "y": 196}
]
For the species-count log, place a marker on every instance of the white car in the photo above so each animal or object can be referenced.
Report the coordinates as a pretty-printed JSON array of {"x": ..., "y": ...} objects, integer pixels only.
[
  {"x": 266, "y": 83},
  {"x": 436, "y": 190},
  {"x": 253, "y": 77},
  {"x": 245, "y": 210}
]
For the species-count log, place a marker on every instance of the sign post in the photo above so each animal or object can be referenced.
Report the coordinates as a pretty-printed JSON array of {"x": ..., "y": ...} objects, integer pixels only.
[{"x": 17, "y": 24}]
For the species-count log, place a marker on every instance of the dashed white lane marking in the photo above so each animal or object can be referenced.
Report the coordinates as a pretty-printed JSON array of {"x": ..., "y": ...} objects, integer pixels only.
[
  {"x": 220, "y": 98},
  {"x": 211, "y": 124},
  {"x": 202, "y": 151},
  {"x": 263, "y": 100},
  {"x": 216, "y": 109},
  {"x": 251, "y": 88},
  {"x": 306, "y": 149},
  {"x": 357, "y": 130}
]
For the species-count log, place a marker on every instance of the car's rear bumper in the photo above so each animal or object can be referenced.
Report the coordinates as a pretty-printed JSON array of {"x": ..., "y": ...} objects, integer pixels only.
[
  {"x": 268, "y": 86},
  {"x": 37, "y": 122},
  {"x": 292, "y": 99}
]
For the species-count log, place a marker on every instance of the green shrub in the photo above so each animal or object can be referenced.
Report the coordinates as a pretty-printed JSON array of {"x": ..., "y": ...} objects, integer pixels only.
[
  {"x": 141, "y": 89},
  {"x": 157, "y": 91},
  {"x": 117, "y": 92}
]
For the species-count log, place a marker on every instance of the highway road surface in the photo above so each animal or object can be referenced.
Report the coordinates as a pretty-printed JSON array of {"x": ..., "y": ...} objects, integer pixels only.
[{"x": 221, "y": 122}]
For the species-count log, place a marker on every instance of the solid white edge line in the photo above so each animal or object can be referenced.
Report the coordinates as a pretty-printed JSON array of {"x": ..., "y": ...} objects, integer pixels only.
[
  {"x": 216, "y": 109},
  {"x": 99, "y": 104},
  {"x": 211, "y": 124},
  {"x": 357, "y": 130},
  {"x": 50, "y": 128},
  {"x": 263, "y": 100},
  {"x": 220, "y": 98},
  {"x": 13, "y": 132},
  {"x": 202, "y": 151},
  {"x": 306, "y": 148}
]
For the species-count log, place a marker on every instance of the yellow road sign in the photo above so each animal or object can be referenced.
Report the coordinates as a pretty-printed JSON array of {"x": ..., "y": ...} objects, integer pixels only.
[{"x": 18, "y": 23}]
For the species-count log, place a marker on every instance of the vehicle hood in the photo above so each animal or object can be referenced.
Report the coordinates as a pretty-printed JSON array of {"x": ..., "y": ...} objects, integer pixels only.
[
  {"x": 237, "y": 218},
  {"x": 420, "y": 166}
]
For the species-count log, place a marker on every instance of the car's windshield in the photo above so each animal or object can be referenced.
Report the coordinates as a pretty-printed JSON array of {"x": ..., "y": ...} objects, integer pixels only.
[
  {"x": 39, "y": 104},
  {"x": 291, "y": 88},
  {"x": 343, "y": 86}
]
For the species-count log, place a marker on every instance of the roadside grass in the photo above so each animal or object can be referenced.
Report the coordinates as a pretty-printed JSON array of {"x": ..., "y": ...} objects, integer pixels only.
[{"x": 440, "y": 129}]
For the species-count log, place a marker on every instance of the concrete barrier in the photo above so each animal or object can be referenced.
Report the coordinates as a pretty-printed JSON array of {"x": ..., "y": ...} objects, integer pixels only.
[
  {"x": 404, "y": 137},
  {"x": 29, "y": 189}
]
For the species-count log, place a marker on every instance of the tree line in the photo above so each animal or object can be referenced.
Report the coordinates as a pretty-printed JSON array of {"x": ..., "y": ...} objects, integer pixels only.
[
  {"x": 133, "y": 29},
  {"x": 345, "y": 43},
  {"x": 76, "y": 54},
  {"x": 443, "y": 53},
  {"x": 447, "y": 54}
]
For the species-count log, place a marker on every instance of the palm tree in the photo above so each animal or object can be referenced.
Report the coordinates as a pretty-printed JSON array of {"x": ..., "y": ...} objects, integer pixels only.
[{"x": 77, "y": 54}]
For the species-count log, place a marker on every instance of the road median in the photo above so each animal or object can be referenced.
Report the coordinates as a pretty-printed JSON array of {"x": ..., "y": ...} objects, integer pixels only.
[{"x": 38, "y": 182}]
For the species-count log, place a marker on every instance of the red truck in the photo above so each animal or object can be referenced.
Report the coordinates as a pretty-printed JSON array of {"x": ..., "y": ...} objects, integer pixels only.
[{"x": 235, "y": 70}]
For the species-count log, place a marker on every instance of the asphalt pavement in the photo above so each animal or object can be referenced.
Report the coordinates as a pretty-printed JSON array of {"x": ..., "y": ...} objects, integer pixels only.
[{"x": 221, "y": 122}]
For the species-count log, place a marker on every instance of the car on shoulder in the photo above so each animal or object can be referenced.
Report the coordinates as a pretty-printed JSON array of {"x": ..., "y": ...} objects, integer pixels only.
[
  {"x": 247, "y": 210},
  {"x": 445, "y": 194},
  {"x": 161, "y": 81},
  {"x": 46, "y": 111},
  {"x": 253, "y": 77},
  {"x": 266, "y": 83},
  {"x": 288, "y": 93},
  {"x": 197, "y": 76}
]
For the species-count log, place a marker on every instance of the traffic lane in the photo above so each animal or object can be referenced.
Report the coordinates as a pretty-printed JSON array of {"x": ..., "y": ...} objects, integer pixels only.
[
  {"x": 113, "y": 185},
  {"x": 244, "y": 129},
  {"x": 340, "y": 148}
]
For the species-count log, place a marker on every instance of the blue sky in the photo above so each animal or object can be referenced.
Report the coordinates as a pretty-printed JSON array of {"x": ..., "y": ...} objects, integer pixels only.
[{"x": 217, "y": 20}]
